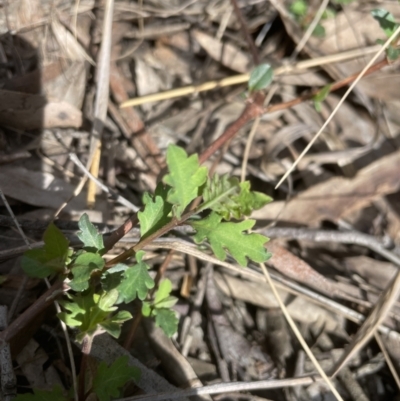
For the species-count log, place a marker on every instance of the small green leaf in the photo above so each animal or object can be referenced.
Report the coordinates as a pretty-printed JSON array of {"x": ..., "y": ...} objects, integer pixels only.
[
  {"x": 146, "y": 309},
  {"x": 166, "y": 319},
  {"x": 164, "y": 289},
  {"x": 319, "y": 31},
  {"x": 321, "y": 96},
  {"x": 137, "y": 281},
  {"x": 155, "y": 213},
  {"x": 185, "y": 178},
  {"x": 109, "y": 380},
  {"x": 299, "y": 8},
  {"x": 323, "y": 93},
  {"x": 113, "y": 325},
  {"x": 230, "y": 237},
  {"x": 43, "y": 395},
  {"x": 49, "y": 259},
  {"x": 260, "y": 77},
  {"x": 89, "y": 235},
  {"x": 392, "y": 53},
  {"x": 108, "y": 300},
  {"x": 248, "y": 200},
  {"x": 82, "y": 269},
  {"x": 318, "y": 106},
  {"x": 386, "y": 21},
  {"x": 162, "y": 298}
]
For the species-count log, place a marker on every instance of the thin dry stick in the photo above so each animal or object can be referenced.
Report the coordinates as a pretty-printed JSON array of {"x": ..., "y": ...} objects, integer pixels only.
[
  {"x": 221, "y": 388},
  {"x": 389, "y": 362},
  {"x": 298, "y": 335},
  {"x": 102, "y": 95},
  {"x": 242, "y": 78},
  {"x": 328, "y": 120}
]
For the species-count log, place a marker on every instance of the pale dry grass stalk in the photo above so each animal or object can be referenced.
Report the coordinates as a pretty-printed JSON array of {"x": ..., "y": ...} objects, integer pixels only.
[{"x": 243, "y": 78}]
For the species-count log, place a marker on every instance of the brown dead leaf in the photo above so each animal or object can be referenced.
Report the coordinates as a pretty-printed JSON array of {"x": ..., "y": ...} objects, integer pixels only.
[
  {"x": 297, "y": 269},
  {"x": 337, "y": 197}
]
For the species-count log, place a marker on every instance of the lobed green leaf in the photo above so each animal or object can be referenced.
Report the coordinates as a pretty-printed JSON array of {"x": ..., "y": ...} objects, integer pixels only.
[
  {"x": 156, "y": 211},
  {"x": 162, "y": 298},
  {"x": 185, "y": 178},
  {"x": 109, "y": 379},
  {"x": 232, "y": 238},
  {"x": 89, "y": 234},
  {"x": 137, "y": 281},
  {"x": 166, "y": 319}
]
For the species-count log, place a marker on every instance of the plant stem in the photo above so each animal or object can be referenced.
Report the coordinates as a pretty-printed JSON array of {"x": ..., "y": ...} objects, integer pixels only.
[{"x": 86, "y": 347}]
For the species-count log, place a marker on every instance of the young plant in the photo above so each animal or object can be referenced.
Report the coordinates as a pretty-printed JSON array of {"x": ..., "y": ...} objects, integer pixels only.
[{"x": 97, "y": 288}]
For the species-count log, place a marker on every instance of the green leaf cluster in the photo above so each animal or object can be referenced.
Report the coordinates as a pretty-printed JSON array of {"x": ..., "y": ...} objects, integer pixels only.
[
  {"x": 160, "y": 308},
  {"x": 231, "y": 198},
  {"x": 92, "y": 313},
  {"x": 96, "y": 291}
]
